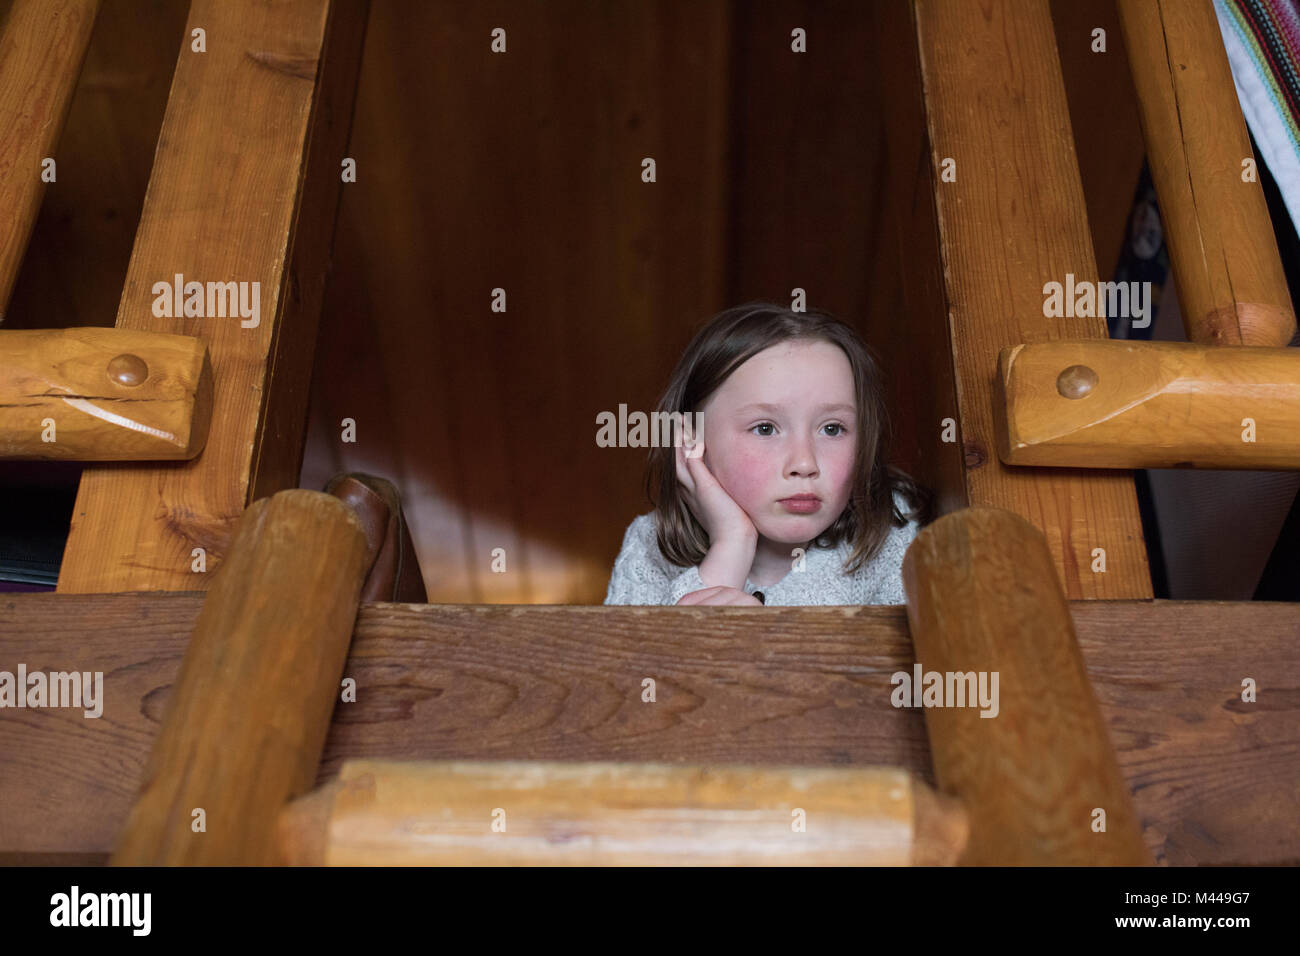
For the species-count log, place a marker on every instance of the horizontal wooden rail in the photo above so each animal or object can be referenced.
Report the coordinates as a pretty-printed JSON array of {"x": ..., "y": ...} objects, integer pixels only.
[
  {"x": 519, "y": 813},
  {"x": 97, "y": 394},
  {"x": 42, "y": 47},
  {"x": 1213, "y": 775},
  {"x": 1122, "y": 404},
  {"x": 1230, "y": 281}
]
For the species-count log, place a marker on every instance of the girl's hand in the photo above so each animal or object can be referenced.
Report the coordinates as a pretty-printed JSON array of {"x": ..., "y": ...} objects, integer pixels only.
[
  {"x": 720, "y": 595},
  {"x": 717, "y": 511}
]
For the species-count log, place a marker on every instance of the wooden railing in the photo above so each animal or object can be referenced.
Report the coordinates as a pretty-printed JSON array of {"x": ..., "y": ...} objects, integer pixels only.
[
  {"x": 230, "y": 700},
  {"x": 1198, "y": 404}
]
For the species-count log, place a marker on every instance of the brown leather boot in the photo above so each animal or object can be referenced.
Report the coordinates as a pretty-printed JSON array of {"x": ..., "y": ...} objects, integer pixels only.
[{"x": 394, "y": 573}]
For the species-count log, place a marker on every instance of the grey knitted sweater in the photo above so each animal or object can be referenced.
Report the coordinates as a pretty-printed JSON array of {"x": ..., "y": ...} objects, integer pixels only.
[{"x": 643, "y": 576}]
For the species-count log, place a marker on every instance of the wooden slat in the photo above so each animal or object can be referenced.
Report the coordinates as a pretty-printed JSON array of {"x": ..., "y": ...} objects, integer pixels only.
[
  {"x": 1013, "y": 221},
  {"x": 543, "y": 813},
  {"x": 1121, "y": 404},
  {"x": 1104, "y": 118},
  {"x": 1213, "y": 777},
  {"x": 244, "y": 189},
  {"x": 41, "y": 51},
  {"x": 1024, "y": 745},
  {"x": 910, "y": 306},
  {"x": 110, "y": 394},
  {"x": 1231, "y": 286},
  {"x": 250, "y": 709}
]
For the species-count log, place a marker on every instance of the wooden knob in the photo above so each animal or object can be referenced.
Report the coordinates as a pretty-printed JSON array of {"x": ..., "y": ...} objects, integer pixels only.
[
  {"x": 1076, "y": 381},
  {"x": 127, "y": 369}
]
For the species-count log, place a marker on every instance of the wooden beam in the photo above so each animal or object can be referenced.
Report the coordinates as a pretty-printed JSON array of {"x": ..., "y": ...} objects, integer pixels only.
[
  {"x": 103, "y": 395},
  {"x": 42, "y": 47},
  {"x": 542, "y": 813},
  {"x": 1213, "y": 776},
  {"x": 1231, "y": 285},
  {"x": 244, "y": 189},
  {"x": 1121, "y": 404},
  {"x": 247, "y": 718},
  {"x": 1012, "y": 220},
  {"x": 1021, "y": 740}
]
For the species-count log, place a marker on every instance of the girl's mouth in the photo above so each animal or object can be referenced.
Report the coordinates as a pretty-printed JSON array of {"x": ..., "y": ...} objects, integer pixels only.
[{"x": 801, "y": 506}]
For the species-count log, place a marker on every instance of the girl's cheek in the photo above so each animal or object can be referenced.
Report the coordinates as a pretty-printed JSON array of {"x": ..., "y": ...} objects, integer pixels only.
[{"x": 743, "y": 477}]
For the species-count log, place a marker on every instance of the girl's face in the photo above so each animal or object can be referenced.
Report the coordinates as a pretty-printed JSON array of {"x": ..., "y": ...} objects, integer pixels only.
[{"x": 785, "y": 423}]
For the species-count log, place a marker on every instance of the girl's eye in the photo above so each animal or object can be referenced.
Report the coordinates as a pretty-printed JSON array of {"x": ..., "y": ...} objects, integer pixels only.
[{"x": 840, "y": 429}]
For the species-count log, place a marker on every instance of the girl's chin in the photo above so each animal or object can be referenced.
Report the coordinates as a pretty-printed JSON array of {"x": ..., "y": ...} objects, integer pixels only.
[{"x": 792, "y": 529}]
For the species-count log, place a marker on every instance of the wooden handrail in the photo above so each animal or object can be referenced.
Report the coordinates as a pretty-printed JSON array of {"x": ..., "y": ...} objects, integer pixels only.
[
  {"x": 513, "y": 813},
  {"x": 247, "y": 719},
  {"x": 1120, "y": 404},
  {"x": 97, "y": 394},
  {"x": 1231, "y": 285},
  {"x": 1033, "y": 761},
  {"x": 42, "y": 47}
]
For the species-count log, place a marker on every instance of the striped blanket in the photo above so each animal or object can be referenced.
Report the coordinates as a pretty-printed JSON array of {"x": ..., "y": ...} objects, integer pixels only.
[{"x": 1262, "y": 38}]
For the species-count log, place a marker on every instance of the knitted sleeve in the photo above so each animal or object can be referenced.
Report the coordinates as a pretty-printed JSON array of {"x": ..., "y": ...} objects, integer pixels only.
[{"x": 642, "y": 576}]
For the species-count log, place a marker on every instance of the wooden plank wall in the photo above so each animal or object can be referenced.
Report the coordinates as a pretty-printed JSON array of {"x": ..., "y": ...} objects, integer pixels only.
[
  {"x": 1213, "y": 777},
  {"x": 521, "y": 171}
]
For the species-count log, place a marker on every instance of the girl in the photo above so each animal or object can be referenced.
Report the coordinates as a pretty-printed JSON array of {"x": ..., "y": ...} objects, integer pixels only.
[{"x": 785, "y": 496}]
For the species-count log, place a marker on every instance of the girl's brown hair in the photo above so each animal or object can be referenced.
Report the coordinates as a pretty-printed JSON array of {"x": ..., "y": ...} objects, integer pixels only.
[{"x": 725, "y": 343}]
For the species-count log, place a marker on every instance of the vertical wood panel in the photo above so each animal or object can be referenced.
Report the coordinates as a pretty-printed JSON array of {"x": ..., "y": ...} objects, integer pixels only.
[
  {"x": 521, "y": 171},
  {"x": 1013, "y": 220},
  {"x": 225, "y": 203}
]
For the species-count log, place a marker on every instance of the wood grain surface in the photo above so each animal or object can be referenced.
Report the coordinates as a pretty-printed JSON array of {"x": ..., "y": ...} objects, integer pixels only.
[
  {"x": 243, "y": 731},
  {"x": 42, "y": 47},
  {"x": 1030, "y": 757},
  {"x": 1148, "y": 405},
  {"x": 1013, "y": 220},
  {"x": 1231, "y": 287},
  {"x": 1213, "y": 777},
  {"x": 231, "y": 199},
  {"x": 521, "y": 813},
  {"x": 111, "y": 394}
]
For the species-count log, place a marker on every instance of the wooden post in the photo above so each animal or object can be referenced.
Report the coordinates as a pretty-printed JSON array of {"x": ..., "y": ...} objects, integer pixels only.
[
  {"x": 1120, "y": 404},
  {"x": 248, "y": 715},
  {"x": 41, "y": 51},
  {"x": 1011, "y": 218},
  {"x": 241, "y": 199},
  {"x": 1230, "y": 281},
  {"x": 110, "y": 394},
  {"x": 520, "y": 813},
  {"x": 1032, "y": 761}
]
